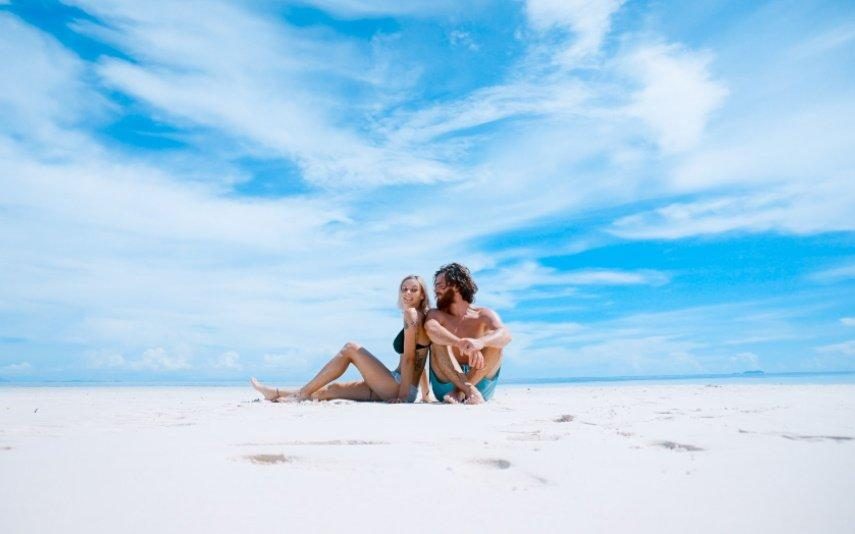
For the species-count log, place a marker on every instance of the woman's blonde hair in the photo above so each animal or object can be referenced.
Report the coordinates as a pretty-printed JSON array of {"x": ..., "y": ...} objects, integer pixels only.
[{"x": 424, "y": 306}]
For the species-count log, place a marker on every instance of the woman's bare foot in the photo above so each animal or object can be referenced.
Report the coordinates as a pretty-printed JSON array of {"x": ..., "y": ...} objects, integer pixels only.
[
  {"x": 288, "y": 396},
  {"x": 271, "y": 394}
]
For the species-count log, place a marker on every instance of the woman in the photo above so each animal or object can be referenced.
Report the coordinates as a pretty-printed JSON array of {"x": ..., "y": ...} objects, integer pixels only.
[{"x": 378, "y": 383}]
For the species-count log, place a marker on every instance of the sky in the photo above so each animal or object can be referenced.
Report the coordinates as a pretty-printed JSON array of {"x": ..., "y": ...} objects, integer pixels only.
[{"x": 212, "y": 190}]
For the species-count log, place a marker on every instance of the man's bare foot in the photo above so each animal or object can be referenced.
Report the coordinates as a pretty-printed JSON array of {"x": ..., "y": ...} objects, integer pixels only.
[
  {"x": 271, "y": 394},
  {"x": 455, "y": 397},
  {"x": 474, "y": 396}
]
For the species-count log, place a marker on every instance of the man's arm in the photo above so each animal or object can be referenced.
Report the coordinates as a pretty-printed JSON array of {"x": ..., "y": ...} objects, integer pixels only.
[
  {"x": 440, "y": 335},
  {"x": 496, "y": 336},
  {"x": 437, "y": 333}
]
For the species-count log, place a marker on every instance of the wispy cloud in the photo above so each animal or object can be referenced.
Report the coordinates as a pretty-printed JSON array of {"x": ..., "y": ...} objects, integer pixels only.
[{"x": 834, "y": 274}]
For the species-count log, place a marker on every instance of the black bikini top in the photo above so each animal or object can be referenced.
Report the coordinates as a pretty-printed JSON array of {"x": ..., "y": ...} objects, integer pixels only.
[{"x": 398, "y": 344}]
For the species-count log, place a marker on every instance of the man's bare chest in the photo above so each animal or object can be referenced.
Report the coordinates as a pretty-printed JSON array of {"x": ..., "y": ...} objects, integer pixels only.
[{"x": 471, "y": 327}]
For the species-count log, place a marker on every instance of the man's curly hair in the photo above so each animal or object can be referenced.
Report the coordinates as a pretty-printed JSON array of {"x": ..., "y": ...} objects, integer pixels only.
[{"x": 459, "y": 276}]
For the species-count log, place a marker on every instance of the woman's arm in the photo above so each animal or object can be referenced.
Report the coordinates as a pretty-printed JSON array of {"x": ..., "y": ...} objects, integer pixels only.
[
  {"x": 412, "y": 320},
  {"x": 424, "y": 385}
]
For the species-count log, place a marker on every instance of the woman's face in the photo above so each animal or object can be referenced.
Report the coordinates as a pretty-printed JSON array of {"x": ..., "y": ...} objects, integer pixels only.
[{"x": 411, "y": 293}]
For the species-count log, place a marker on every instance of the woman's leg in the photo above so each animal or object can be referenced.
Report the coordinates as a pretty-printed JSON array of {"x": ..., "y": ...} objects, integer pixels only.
[
  {"x": 270, "y": 393},
  {"x": 424, "y": 386},
  {"x": 375, "y": 375},
  {"x": 358, "y": 391}
]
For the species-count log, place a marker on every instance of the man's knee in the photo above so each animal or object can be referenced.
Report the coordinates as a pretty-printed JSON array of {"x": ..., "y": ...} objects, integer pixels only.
[{"x": 492, "y": 363}]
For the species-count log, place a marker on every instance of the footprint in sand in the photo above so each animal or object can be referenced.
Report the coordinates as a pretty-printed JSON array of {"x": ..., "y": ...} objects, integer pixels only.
[
  {"x": 498, "y": 463},
  {"x": 678, "y": 446},
  {"x": 300, "y": 442},
  {"x": 268, "y": 459},
  {"x": 566, "y": 418},
  {"x": 802, "y": 437},
  {"x": 535, "y": 435}
]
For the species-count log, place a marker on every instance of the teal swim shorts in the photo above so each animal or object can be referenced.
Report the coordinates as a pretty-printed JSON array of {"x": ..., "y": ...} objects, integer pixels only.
[{"x": 486, "y": 386}]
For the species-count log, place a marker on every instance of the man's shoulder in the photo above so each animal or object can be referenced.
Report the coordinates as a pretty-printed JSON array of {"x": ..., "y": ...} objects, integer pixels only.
[
  {"x": 487, "y": 314},
  {"x": 436, "y": 313},
  {"x": 484, "y": 311}
]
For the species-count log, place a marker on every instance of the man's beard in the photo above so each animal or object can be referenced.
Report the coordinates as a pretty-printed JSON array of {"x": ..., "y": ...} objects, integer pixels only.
[{"x": 443, "y": 302}]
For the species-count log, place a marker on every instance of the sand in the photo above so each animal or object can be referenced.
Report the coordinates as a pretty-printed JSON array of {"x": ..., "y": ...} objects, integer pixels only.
[{"x": 626, "y": 458}]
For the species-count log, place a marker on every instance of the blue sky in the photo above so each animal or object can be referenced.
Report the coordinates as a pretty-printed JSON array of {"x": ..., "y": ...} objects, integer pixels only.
[{"x": 218, "y": 189}]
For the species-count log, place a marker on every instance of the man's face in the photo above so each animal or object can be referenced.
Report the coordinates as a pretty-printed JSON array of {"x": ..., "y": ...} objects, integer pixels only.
[{"x": 443, "y": 291}]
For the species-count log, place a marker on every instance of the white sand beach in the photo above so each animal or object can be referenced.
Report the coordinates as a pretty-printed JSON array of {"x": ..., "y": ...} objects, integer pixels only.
[{"x": 625, "y": 458}]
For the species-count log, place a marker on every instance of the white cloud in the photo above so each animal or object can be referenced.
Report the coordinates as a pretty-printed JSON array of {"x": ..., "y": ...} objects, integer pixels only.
[
  {"x": 41, "y": 90},
  {"x": 797, "y": 209},
  {"x": 145, "y": 201},
  {"x": 294, "y": 362},
  {"x": 677, "y": 95},
  {"x": 141, "y": 253},
  {"x": 801, "y": 147},
  {"x": 847, "y": 321},
  {"x": 614, "y": 277},
  {"x": 834, "y": 274},
  {"x": 589, "y": 20},
  {"x": 228, "y": 360},
  {"x": 368, "y": 8},
  {"x": 824, "y": 42},
  {"x": 16, "y": 368},
  {"x": 105, "y": 359},
  {"x": 726, "y": 338},
  {"x": 484, "y": 106},
  {"x": 463, "y": 39},
  {"x": 847, "y": 348},
  {"x": 530, "y": 274},
  {"x": 157, "y": 359},
  {"x": 584, "y": 351},
  {"x": 747, "y": 360},
  {"x": 271, "y": 90},
  {"x": 529, "y": 280}
]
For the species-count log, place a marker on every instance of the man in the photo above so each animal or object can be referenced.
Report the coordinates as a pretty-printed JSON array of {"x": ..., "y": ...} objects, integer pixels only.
[{"x": 467, "y": 342}]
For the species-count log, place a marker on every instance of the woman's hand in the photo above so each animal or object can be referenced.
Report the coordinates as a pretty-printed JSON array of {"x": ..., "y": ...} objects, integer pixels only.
[{"x": 396, "y": 400}]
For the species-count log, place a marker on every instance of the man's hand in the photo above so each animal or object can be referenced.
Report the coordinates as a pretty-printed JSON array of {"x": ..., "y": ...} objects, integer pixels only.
[
  {"x": 468, "y": 344},
  {"x": 471, "y": 348}
]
